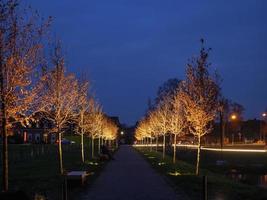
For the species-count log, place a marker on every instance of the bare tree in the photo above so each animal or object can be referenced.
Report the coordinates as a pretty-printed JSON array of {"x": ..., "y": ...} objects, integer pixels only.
[
  {"x": 200, "y": 98},
  {"x": 20, "y": 53},
  {"x": 57, "y": 100},
  {"x": 155, "y": 125},
  {"x": 177, "y": 120},
  {"x": 224, "y": 110},
  {"x": 95, "y": 122},
  {"x": 168, "y": 88},
  {"x": 163, "y": 110},
  {"x": 82, "y": 110}
]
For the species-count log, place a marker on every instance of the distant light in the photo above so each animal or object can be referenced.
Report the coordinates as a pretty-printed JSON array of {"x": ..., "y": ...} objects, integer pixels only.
[
  {"x": 236, "y": 150},
  {"x": 225, "y": 150},
  {"x": 92, "y": 163},
  {"x": 174, "y": 173},
  {"x": 122, "y": 132},
  {"x": 192, "y": 146},
  {"x": 147, "y": 145},
  {"x": 233, "y": 117},
  {"x": 264, "y": 114}
]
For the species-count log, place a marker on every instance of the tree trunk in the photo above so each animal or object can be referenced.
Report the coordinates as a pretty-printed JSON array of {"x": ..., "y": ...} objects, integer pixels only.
[
  {"x": 5, "y": 148},
  {"x": 4, "y": 129},
  {"x": 117, "y": 143},
  {"x": 151, "y": 144},
  {"x": 222, "y": 124},
  {"x": 157, "y": 143},
  {"x": 93, "y": 148},
  {"x": 164, "y": 147},
  {"x": 99, "y": 144},
  {"x": 174, "y": 149},
  {"x": 198, "y": 156},
  {"x": 60, "y": 153},
  {"x": 82, "y": 147}
]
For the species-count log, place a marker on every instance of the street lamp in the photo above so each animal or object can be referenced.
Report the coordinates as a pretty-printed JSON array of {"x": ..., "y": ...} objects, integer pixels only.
[
  {"x": 122, "y": 133},
  {"x": 264, "y": 116},
  {"x": 233, "y": 117}
]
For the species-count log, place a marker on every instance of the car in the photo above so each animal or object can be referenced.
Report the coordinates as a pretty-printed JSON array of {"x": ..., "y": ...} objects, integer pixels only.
[{"x": 66, "y": 141}]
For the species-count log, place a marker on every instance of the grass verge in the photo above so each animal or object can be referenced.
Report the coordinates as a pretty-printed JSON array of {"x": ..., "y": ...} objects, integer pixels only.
[
  {"x": 38, "y": 174},
  {"x": 181, "y": 175}
]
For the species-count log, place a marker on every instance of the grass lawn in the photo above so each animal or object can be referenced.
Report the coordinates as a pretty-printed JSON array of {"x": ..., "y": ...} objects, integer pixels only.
[
  {"x": 34, "y": 168},
  {"x": 181, "y": 176},
  {"x": 243, "y": 162}
]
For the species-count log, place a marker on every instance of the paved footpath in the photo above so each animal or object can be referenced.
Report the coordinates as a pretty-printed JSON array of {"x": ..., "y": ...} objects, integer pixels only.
[{"x": 130, "y": 177}]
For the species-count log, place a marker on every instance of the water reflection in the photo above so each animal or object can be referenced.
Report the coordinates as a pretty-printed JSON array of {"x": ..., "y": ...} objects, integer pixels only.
[
  {"x": 263, "y": 180},
  {"x": 251, "y": 179}
]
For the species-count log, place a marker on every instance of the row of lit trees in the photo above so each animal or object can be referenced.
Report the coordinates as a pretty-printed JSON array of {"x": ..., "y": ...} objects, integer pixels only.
[
  {"x": 35, "y": 87},
  {"x": 21, "y": 51},
  {"x": 62, "y": 99},
  {"x": 191, "y": 106}
]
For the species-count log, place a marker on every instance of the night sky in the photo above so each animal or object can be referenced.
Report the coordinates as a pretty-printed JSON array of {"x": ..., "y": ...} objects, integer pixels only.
[{"x": 129, "y": 47}]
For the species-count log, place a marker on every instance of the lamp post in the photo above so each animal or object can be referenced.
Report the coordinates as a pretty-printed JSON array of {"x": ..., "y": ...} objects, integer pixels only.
[
  {"x": 264, "y": 116},
  {"x": 233, "y": 118}
]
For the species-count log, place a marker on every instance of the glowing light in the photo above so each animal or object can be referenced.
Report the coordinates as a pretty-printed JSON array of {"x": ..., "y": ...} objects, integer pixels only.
[
  {"x": 224, "y": 150},
  {"x": 146, "y": 145},
  {"x": 235, "y": 150},
  {"x": 122, "y": 132},
  {"x": 161, "y": 163},
  {"x": 92, "y": 163},
  {"x": 233, "y": 117},
  {"x": 90, "y": 174},
  {"x": 174, "y": 173},
  {"x": 264, "y": 114},
  {"x": 218, "y": 149}
]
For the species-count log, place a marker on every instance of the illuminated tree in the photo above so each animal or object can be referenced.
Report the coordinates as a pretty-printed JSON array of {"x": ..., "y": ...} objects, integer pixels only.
[
  {"x": 142, "y": 131},
  {"x": 20, "y": 54},
  {"x": 110, "y": 129},
  {"x": 94, "y": 122},
  {"x": 177, "y": 120},
  {"x": 148, "y": 128},
  {"x": 200, "y": 98},
  {"x": 154, "y": 125},
  {"x": 57, "y": 100},
  {"x": 82, "y": 110},
  {"x": 163, "y": 110}
]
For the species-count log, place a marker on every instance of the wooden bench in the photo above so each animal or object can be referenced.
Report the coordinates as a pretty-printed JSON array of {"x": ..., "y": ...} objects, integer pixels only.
[
  {"x": 77, "y": 176},
  {"x": 103, "y": 157}
]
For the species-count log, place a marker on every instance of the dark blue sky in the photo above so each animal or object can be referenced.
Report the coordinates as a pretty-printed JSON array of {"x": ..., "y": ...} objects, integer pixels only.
[{"x": 129, "y": 47}]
